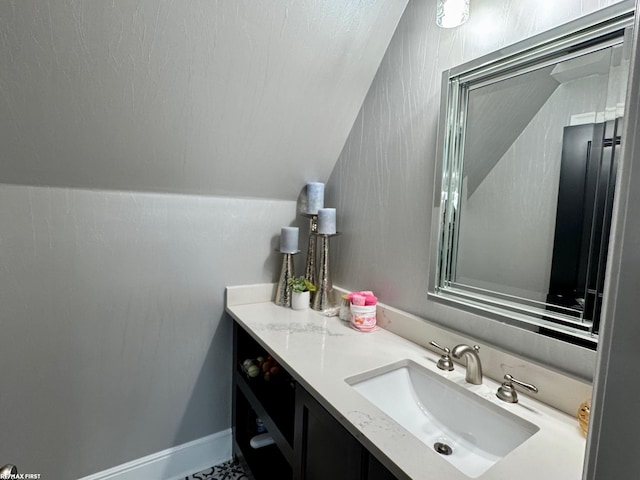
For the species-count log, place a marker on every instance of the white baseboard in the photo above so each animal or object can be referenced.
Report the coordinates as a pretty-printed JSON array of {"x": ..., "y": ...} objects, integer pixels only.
[{"x": 174, "y": 463}]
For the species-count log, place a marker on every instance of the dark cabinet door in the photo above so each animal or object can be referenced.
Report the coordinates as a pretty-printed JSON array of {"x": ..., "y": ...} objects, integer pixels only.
[
  {"x": 325, "y": 450},
  {"x": 377, "y": 471}
]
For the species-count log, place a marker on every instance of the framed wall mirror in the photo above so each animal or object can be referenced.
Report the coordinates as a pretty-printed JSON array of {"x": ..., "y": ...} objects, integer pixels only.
[{"x": 528, "y": 149}]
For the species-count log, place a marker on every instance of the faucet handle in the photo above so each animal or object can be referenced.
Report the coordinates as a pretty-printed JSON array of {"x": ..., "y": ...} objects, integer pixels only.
[
  {"x": 445, "y": 362},
  {"x": 507, "y": 393}
]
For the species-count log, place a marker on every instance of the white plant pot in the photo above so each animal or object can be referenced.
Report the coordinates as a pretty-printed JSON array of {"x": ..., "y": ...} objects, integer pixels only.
[{"x": 300, "y": 300}]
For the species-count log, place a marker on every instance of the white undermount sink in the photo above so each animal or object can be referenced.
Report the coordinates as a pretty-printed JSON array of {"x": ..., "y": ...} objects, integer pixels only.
[{"x": 467, "y": 430}]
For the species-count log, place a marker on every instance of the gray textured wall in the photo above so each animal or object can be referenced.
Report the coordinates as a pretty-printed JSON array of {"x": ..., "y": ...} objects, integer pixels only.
[
  {"x": 614, "y": 432},
  {"x": 111, "y": 300},
  {"x": 111, "y": 306},
  {"x": 225, "y": 97},
  {"x": 383, "y": 181}
]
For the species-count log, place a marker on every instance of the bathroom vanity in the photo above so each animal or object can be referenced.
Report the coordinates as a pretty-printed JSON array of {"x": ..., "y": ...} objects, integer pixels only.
[
  {"x": 325, "y": 423},
  {"x": 308, "y": 440}
]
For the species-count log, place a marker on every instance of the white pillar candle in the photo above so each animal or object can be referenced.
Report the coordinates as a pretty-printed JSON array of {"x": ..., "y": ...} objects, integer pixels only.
[
  {"x": 327, "y": 221},
  {"x": 289, "y": 240},
  {"x": 315, "y": 197}
]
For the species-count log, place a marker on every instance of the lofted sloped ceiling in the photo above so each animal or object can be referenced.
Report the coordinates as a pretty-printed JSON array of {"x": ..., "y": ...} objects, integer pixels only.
[{"x": 235, "y": 98}]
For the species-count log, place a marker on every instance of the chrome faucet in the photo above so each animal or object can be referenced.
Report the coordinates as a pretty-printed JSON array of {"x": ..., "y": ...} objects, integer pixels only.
[{"x": 474, "y": 366}]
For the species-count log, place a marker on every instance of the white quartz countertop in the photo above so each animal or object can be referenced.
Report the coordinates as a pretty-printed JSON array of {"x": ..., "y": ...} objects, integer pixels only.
[{"x": 321, "y": 352}]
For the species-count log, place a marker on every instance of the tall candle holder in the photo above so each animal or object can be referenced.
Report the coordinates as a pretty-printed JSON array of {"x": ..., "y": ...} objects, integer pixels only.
[
  {"x": 322, "y": 299},
  {"x": 310, "y": 269},
  {"x": 283, "y": 291}
]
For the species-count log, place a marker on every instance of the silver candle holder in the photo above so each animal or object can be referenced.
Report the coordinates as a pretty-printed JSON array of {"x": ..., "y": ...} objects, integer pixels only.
[
  {"x": 310, "y": 268},
  {"x": 283, "y": 290},
  {"x": 322, "y": 299}
]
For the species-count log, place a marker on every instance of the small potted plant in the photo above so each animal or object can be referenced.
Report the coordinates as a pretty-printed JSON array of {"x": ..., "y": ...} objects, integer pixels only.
[{"x": 301, "y": 289}]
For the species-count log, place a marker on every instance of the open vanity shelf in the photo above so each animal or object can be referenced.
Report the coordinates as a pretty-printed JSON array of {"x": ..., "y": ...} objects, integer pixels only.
[
  {"x": 309, "y": 443},
  {"x": 273, "y": 402}
]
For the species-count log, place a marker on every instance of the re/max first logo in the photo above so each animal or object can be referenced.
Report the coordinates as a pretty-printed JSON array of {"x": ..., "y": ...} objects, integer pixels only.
[{"x": 17, "y": 476}]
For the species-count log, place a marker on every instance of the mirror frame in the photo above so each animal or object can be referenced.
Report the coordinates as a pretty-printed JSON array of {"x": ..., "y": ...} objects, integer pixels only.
[{"x": 530, "y": 53}]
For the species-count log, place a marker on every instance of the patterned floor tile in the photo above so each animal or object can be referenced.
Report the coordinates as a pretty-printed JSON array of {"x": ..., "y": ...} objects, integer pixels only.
[{"x": 225, "y": 471}]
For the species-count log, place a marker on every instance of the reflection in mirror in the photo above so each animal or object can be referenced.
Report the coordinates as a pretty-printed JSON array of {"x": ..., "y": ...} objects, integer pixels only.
[{"x": 530, "y": 152}]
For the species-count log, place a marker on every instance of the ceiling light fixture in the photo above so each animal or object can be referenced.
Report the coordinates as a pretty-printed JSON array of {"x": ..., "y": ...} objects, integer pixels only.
[{"x": 452, "y": 13}]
